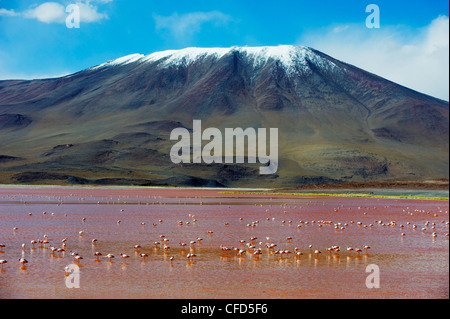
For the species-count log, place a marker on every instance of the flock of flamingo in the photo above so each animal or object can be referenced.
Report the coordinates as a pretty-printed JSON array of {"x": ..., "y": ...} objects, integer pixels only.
[{"x": 244, "y": 247}]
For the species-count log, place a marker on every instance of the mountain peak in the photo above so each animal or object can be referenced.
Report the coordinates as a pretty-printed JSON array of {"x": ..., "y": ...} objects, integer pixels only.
[{"x": 290, "y": 57}]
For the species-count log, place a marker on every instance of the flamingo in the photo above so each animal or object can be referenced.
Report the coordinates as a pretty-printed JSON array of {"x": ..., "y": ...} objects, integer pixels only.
[
  {"x": 190, "y": 256},
  {"x": 23, "y": 261},
  {"x": 97, "y": 254},
  {"x": 143, "y": 256},
  {"x": 257, "y": 252},
  {"x": 124, "y": 256},
  {"x": 109, "y": 256}
]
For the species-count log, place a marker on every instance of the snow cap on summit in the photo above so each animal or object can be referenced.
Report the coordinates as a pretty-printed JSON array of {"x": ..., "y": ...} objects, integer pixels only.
[{"x": 289, "y": 56}]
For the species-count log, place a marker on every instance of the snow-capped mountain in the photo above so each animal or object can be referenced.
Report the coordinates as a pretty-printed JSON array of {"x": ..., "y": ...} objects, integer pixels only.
[
  {"x": 111, "y": 123},
  {"x": 293, "y": 59}
]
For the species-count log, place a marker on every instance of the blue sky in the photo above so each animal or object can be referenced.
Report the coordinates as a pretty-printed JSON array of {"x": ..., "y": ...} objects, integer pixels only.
[{"x": 410, "y": 47}]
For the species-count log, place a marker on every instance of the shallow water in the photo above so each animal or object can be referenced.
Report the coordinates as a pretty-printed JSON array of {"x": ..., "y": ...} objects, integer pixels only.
[{"x": 416, "y": 266}]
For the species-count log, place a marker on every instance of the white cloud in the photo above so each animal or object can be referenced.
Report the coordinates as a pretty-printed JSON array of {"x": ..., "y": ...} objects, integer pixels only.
[
  {"x": 8, "y": 13},
  {"x": 47, "y": 12},
  {"x": 418, "y": 59},
  {"x": 54, "y": 12},
  {"x": 340, "y": 28},
  {"x": 89, "y": 13},
  {"x": 184, "y": 26}
]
